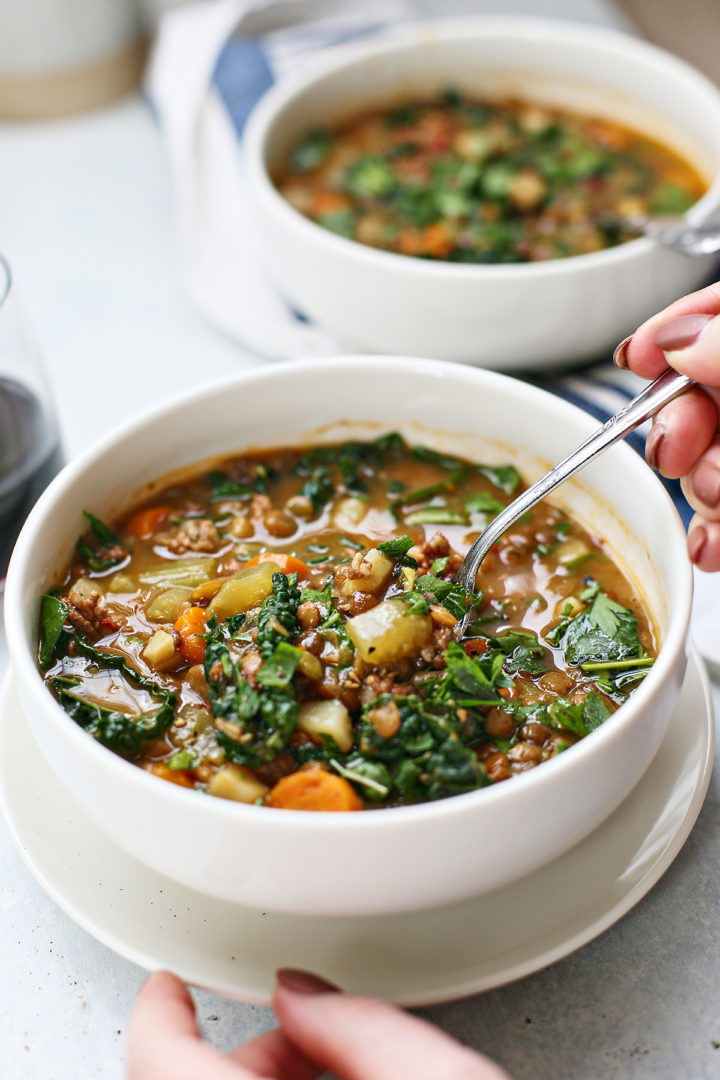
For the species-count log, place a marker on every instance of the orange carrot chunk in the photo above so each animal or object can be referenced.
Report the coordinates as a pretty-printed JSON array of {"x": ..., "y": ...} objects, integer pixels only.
[
  {"x": 189, "y": 625},
  {"x": 176, "y": 776},
  {"x": 313, "y": 789},
  {"x": 287, "y": 564},
  {"x": 144, "y": 523}
]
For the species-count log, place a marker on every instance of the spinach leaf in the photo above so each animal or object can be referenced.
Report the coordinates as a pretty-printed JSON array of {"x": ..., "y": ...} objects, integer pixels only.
[
  {"x": 397, "y": 549},
  {"x": 483, "y": 503},
  {"x": 106, "y": 552},
  {"x": 523, "y": 651},
  {"x": 505, "y": 477},
  {"x": 279, "y": 667},
  {"x": 53, "y": 615},
  {"x": 312, "y": 151},
  {"x": 318, "y": 488},
  {"x": 116, "y": 730},
  {"x": 604, "y": 631},
  {"x": 118, "y": 663},
  {"x": 448, "y": 593}
]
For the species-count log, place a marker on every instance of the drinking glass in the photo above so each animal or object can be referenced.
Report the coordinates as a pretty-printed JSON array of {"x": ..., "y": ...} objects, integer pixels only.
[{"x": 30, "y": 451}]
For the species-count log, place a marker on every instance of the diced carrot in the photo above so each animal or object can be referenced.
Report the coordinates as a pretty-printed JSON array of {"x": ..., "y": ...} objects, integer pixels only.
[
  {"x": 329, "y": 202},
  {"x": 409, "y": 242},
  {"x": 475, "y": 646},
  {"x": 189, "y": 625},
  {"x": 176, "y": 776},
  {"x": 144, "y": 523},
  {"x": 435, "y": 240},
  {"x": 313, "y": 789},
  {"x": 287, "y": 564}
]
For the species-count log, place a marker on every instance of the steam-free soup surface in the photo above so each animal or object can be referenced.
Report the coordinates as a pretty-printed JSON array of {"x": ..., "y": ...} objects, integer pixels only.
[
  {"x": 484, "y": 182},
  {"x": 280, "y": 630}
]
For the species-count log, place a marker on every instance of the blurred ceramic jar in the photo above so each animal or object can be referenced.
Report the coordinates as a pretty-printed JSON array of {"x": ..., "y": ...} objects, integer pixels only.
[{"x": 65, "y": 56}]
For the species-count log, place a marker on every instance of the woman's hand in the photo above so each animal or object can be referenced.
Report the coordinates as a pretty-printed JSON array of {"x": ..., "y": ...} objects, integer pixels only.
[
  {"x": 685, "y": 438},
  {"x": 320, "y": 1029}
]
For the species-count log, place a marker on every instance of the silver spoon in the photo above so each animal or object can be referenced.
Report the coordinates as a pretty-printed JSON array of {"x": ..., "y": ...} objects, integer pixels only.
[
  {"x": 649, "y": 401},
  {"x": 673, "y": 233}
]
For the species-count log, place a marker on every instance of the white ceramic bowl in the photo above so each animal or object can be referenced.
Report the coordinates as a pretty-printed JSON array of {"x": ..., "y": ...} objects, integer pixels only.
[
  {"x": 506, "y": 317},
  {"x": 385, "y": 860}
]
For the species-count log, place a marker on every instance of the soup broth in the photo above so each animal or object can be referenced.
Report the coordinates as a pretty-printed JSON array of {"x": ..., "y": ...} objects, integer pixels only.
[{"x": 281, "y": 630}]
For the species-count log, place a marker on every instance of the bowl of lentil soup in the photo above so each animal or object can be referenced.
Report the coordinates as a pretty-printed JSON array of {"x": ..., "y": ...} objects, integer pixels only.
[
  {"x": 418, "y": 192},
  {"x": 265, "y": 630}
]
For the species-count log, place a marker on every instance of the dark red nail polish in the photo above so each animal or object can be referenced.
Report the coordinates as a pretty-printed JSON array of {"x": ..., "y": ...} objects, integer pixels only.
[
  {"x": 304, "y": 982},
  {"x": 680, "y": 333},
  {"x": 705, "y": 481},
  {"x": 697, "y": 540},
  {"x": 653, "y": 444},
  {"x": 619, "y": 356}
]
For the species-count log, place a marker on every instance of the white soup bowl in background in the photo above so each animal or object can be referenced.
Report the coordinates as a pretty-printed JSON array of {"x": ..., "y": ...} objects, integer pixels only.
[{"x": 507, "y": 317}]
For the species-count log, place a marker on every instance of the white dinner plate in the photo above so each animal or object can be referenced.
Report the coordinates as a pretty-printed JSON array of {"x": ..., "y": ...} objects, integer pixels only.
[{"x": 415, "y": 959}]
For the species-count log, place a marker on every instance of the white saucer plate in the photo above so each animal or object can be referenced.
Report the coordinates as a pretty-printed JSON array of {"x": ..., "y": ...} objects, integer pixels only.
[{"x": 416, "y": 959}]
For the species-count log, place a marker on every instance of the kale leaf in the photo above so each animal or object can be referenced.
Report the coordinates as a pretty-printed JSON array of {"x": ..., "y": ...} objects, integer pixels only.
[{"x": 280, "y": 607}]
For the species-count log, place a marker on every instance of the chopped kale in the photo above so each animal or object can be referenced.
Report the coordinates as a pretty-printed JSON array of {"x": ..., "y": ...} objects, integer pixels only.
[
  {"x": 318, "y": 488},
  {"x": 397, "y": 549},
  {"x": 53, "y": 615},
  {"x": 279, "y": 608},
  {"x": 505, "y": 477},
  {"x": 106, "y": 551},
  {"x": 119, "y": 731},
  {"x": 251, "y": 728},
  {"x": 312, "y": 151}
]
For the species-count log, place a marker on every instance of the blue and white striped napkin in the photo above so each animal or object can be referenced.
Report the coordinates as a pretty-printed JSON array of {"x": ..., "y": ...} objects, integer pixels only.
[{"x": 212, "y": 62}]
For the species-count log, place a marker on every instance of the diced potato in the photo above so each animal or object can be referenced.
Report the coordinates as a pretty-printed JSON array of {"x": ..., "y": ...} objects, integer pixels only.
[
  {"x": 380, "y": 568},
  {"x": 160, "y": 652},
  {"x": 388, "y": 633},
  {"x": 310, "y": 666},
  {"x": 86, "y": 587},
  {"x": 570, "y": 552},
  {"x": 237, "y": 783},
  {"x": 327, "y": 718},
  {"x": 570, "y": 605},
  {"x": 122, "y": 583},
  {"x": 244, "y": 590},
  {"x": 348, "y": 513},
  {"x": 178, "y": 572},
  {"x": 169, "y": 604}
]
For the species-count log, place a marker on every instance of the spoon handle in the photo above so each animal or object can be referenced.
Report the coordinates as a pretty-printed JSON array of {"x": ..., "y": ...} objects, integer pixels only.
[{"x": 649, "y": 401}]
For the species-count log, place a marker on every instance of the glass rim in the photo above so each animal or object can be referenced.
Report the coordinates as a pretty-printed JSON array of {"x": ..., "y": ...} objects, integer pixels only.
[{"x": 5, "y": 285}]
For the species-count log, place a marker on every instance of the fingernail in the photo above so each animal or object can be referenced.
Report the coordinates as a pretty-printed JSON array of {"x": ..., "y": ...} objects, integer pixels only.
[
  {"x": 697, "y": 540},
  {"x": 653, "y": 444},
  {"x": 705, "y": 481},
  {"x": 619, "y": 356},
  {"x": 304, "y": 982},
  {"x": 680, "y": 333}
]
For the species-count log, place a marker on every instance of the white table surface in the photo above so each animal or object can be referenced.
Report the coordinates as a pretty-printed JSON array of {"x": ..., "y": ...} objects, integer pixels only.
[{"x": 85, "y": 220}]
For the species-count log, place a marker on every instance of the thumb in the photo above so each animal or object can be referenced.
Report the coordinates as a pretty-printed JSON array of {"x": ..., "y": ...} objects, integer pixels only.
[
  {"x": 364, "y": 1039},
  {"x": 691, "y": 345}
]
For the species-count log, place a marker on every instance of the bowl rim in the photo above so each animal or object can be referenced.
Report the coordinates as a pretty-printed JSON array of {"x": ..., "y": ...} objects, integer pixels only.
[
  {"x": 621, "y": 47},
  {"x": 29, "y": 676}
]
